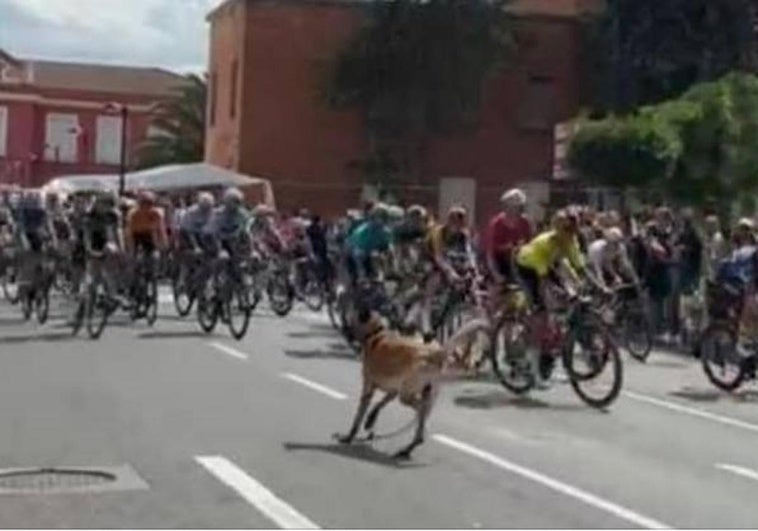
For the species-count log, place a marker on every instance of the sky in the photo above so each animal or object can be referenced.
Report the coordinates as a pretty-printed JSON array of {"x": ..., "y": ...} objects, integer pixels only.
[{"x": 171, "y": 34}]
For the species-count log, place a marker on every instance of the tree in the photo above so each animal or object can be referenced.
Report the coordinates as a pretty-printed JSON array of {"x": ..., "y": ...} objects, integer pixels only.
[
  {"x": 647, "y": 51},
  {"x": 179, "y": 125},
  {"x": 416, "y": 69},
  {"x": 699, "y": 149},
  {"x": 632, "y": 153}
]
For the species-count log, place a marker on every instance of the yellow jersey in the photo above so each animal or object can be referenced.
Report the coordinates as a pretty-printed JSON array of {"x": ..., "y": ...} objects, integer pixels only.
[{"x": 546, "y": 250}]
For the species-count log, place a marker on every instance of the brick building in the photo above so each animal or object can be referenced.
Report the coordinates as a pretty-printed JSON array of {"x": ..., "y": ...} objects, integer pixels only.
[
  {"x": 63, "y": 118},
  {"x": 265, "y": 117}
]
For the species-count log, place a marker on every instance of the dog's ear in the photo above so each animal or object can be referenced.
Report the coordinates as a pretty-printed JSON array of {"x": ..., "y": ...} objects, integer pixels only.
[{"x": 364, "y": 315}]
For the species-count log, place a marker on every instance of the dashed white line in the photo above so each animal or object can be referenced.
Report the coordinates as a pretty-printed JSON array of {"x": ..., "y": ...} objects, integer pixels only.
[
  {"x": 229, "y": 350},
  {"x": 554, "y": 484},
  {"x": 673, "y": 406},
  {"x": 255, "y": 493},
  {"x": 331, "y": 393},
  {"x": 739, "y": 470}
]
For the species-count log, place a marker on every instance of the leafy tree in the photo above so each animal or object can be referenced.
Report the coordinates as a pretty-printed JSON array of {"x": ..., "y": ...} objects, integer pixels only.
[
  {"x": 180, "y": 124},
  {"x": 646, "y": 51},
  {"x": 416, "y": 69},
  {"x": 631, "y": 153}
]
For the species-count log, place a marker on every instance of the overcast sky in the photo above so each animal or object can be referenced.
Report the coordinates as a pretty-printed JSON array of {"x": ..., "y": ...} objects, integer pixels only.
[{"x": 167, "y": 33}]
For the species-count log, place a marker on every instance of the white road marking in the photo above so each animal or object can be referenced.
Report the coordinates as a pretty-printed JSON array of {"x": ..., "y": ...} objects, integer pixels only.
[
  {"x": 331, "y": 393},
  {"x": 673, "y": 406},
  {"x": 282, "y": 514},
  {"x": 739, "y": 470},
  {"x": 554, "y": 484},
  {"x": 229, "y": 350}
]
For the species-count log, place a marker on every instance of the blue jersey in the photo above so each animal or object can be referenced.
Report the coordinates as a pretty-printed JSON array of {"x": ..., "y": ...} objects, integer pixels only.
[{"x": 368, "y": 237}]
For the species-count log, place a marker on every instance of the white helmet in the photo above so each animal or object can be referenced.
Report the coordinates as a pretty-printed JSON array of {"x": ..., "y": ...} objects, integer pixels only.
[
  {"x": 613, "y": 235},
  {"x": 514, "y": 196},
  {"x": 205, "y": 200},
  {"x": 233, "y": 197}
]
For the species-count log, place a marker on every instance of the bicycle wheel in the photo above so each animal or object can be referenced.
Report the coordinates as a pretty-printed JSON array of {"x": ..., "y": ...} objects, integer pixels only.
[
  {"x": 151, "y": 301},
  {"x": 593, "y": 364},
  {"x": 207, "y": 312},
  {"x": 313, "y": 293},
  {"x": 42, "y": 304},
  {"x": 238, "y": 311},
  {"x": 98, "y": 310},
  {"x": 722, "y": 364},
  {"x": 184, "y": 299},
  {"x": 281, "y": 296},
  {"x": 638, "y": 334},
  {"x": 27, "y": 303},
  {"x": 10, "y": 285},
  {"x": 79, "y": 314},
  {"x": 509, "y": 354}
]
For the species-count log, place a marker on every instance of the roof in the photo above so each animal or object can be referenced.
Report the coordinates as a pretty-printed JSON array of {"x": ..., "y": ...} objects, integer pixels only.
[
  {"x": 102, "y": 78},
  {"x": 553, "y": 8}
]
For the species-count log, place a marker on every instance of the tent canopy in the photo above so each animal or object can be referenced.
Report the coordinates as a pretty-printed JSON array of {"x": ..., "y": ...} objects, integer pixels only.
[{"x": 159, "y": 179}]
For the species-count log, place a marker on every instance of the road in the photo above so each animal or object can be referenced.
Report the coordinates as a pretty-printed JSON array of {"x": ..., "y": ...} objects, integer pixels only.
[{"x": 203, "y": 431}]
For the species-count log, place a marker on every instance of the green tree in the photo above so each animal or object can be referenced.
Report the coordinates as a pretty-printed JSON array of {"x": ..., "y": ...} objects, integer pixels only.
[
  {"x": 415, "y": 70},
  {"x": 179, "y": 122},
  {"x": 647, "y": 51}
]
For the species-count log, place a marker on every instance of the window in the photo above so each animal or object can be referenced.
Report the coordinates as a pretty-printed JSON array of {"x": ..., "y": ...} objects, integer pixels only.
[
  {"x": 539, "y": 104},
  {"x": 3, "y": 131},
  {"x": 108, "y": 146},
  {"x": 233, "y": 89},
  {"x": 212, "y": 100},
  {"x": 61, "y": 137}
]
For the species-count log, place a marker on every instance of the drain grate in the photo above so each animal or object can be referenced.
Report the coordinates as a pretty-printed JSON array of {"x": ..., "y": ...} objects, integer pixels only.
[
  {"x": 68, "y": 480},
  {"x": 53, "y": 479}
]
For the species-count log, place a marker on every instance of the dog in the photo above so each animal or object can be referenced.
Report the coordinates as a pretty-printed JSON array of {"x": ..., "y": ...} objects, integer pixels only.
[{"x": 402, "y": 368}]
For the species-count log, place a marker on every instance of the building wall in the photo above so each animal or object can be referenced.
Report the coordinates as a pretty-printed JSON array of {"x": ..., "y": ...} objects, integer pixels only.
[
  {"x": 25, "y": 163},
  {"x": 287, "y": 133}
]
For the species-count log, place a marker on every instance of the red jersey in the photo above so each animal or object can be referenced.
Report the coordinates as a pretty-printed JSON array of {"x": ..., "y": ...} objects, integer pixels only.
[{"x": 505, "y": 232}]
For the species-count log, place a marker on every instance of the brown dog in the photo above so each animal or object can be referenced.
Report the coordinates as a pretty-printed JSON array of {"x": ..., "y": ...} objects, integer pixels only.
[{"x": 401, "y": 367}]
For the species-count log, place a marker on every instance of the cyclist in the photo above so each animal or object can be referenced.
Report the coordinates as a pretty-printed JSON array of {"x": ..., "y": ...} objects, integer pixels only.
[
  {"x": 505, "y": 233},
  {"x": 409, "y": 237},
  {"x": 194, "y": 221},
  {"x": 369, "y": 237},
  {"x": 104, "y": 241},
  {"x": 450, "y": 253},
  {"x": 33, "y": 229},
  {"x": 553, "y": 256},
  {"x": 609, "y": 260},
  {"x": 145, "y": 226},
  {"x": 227, "y": 229}
]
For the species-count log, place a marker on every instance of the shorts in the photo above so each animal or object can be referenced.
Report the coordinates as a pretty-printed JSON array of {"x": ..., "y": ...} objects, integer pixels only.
[
  {"x": 145, "y": 243},
  {"x": 504, "y": 267},
  {"x": 530, "y": 281}
]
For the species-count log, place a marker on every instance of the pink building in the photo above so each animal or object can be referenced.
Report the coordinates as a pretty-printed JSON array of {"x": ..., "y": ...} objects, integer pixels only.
[{"x": 64, "y": 118}]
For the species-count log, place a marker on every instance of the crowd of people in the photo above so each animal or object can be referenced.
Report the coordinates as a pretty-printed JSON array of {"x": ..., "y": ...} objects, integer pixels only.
[{"x": 669, "y": 254}]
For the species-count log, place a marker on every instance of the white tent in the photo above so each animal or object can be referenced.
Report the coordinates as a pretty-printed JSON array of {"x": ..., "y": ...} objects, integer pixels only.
[{"x": 173, "y": 177}]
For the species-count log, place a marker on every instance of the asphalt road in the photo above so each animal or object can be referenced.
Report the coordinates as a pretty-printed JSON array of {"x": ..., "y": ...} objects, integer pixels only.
[{"x": 210, "y": 432}]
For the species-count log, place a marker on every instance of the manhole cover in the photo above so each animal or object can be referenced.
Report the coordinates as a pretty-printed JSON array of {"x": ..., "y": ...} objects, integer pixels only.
[
  {"x": 63, "y": 480},
  {"x": 47, "y": 479}
]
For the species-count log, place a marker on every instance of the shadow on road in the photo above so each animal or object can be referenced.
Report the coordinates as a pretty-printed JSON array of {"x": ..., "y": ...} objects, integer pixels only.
[
  {"x": 698, "y": 395},
  {"x": 155, "y": 334},
  {"x": 317, "y": 353},
  {"x": 496, "y": 399},
  {"x": 35, "y": 338},
  {"x": 361, "y": 452},
  {"x": 315, "y": 334}
]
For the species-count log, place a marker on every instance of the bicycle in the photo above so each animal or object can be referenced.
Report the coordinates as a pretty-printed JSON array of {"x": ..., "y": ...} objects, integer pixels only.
[
  {"x": 279, "y": 289},
  {"x": 144, "y": 288},
  {"x": 578, "y": 334},
  {"x": 225, "y": 298}
]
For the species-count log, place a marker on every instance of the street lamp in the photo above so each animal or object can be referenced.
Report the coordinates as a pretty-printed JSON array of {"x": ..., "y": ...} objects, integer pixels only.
[{"x": 123, "y": 110}]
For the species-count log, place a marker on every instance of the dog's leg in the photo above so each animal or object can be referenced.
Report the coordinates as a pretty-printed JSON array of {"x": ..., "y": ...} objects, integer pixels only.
[
  {"x": 423, "y": 406},
  {"x": 366, "y": 395},
  {"x": 374, "y": 414}
]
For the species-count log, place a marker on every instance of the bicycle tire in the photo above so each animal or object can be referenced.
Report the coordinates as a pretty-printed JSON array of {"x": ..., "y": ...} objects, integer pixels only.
[
  {"x": 709, "y": 338},
  {"x": 97, "y": 313},
  {"x": 207, "y": 314},
  {"x": 42, "y": 305},
  {"x": 504, "y": 374},
  {"x": 151, "y": 302},
  {"x": 279, "y": 286},
  {"x": 637, "y": 324},
  {"x": 610, "y": 354},
  {"x": 240, "y": 297},
  {"x": 180, "y": 289}
]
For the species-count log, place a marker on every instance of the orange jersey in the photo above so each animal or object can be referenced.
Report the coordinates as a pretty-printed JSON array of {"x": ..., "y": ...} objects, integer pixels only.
[{"x": 145, "y": 222}]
